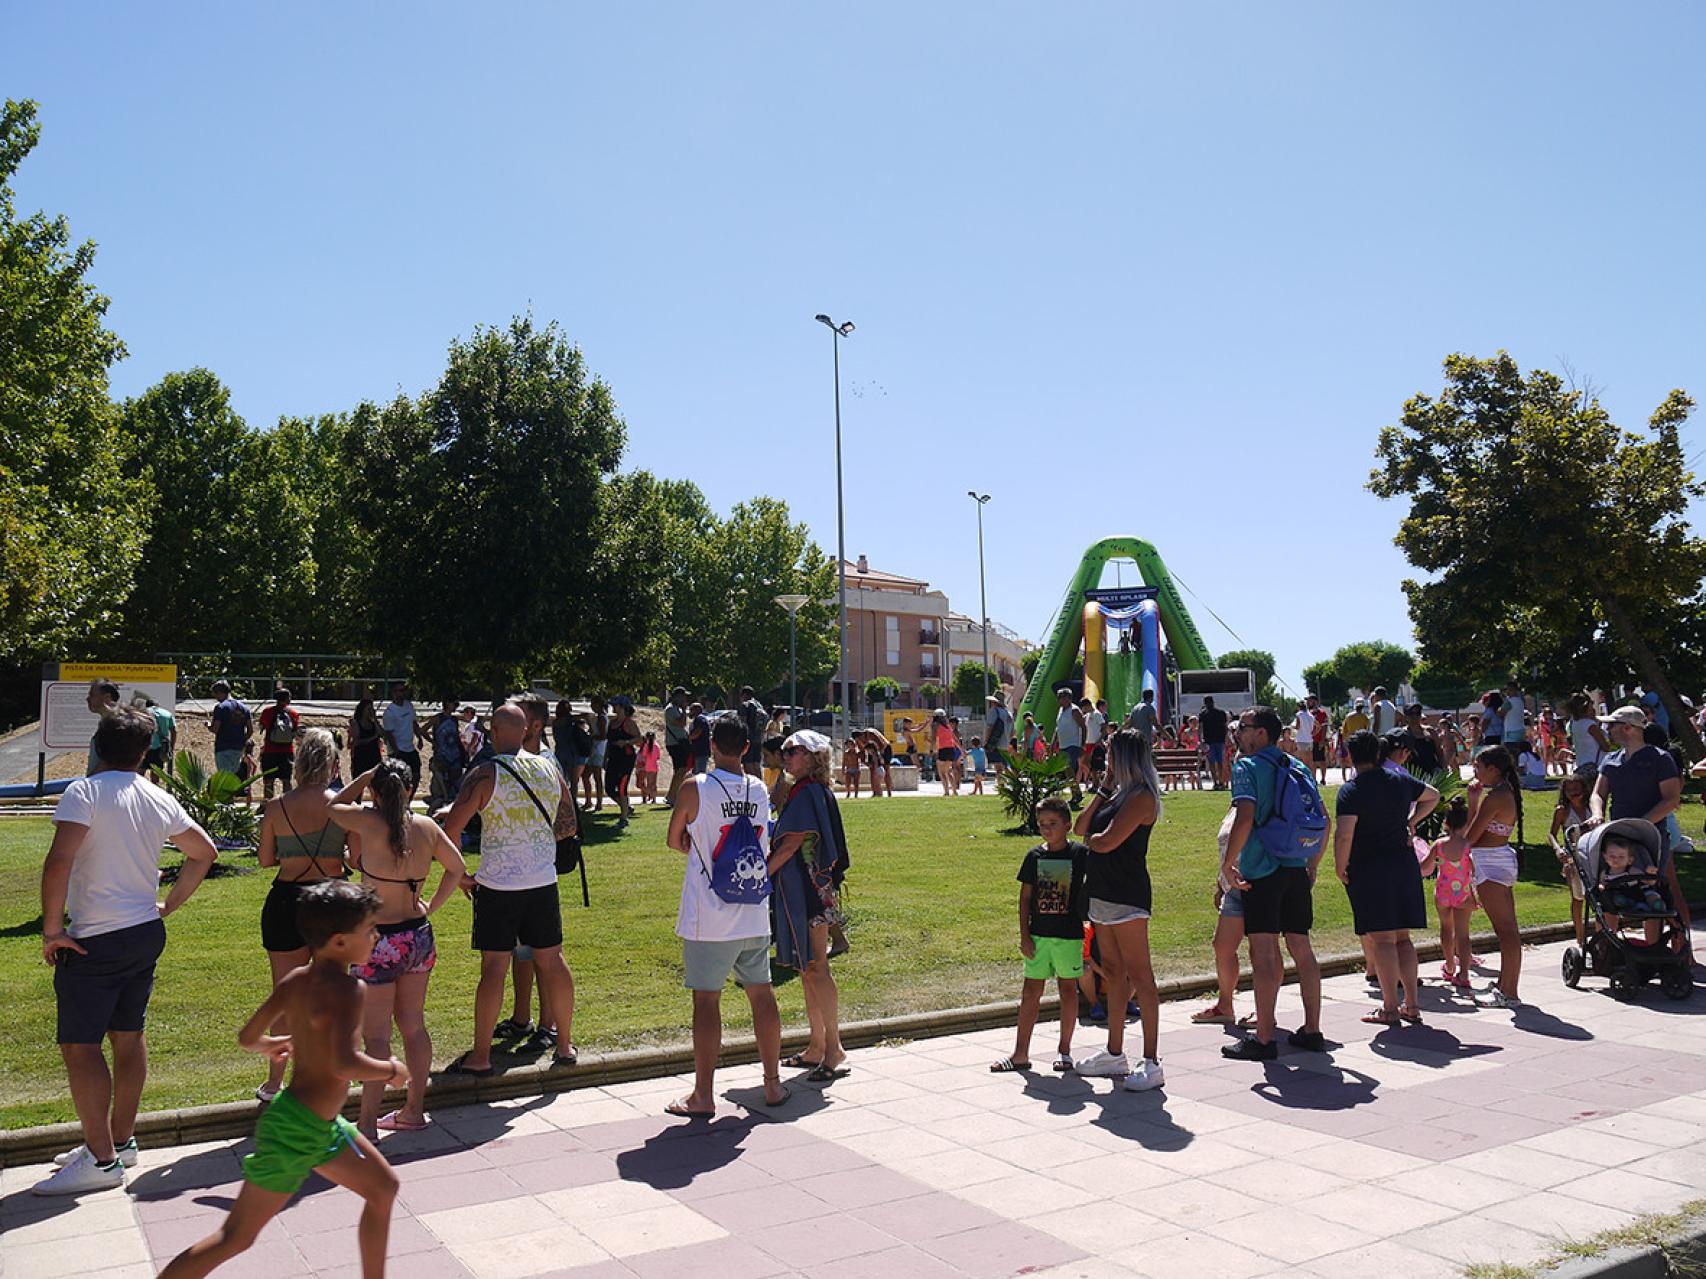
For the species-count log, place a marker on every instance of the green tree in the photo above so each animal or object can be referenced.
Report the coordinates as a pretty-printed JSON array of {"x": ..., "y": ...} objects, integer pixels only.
[
  {"x": 1528, "y": 504},
  {"x": 881, "y": 690},
  {"x": 968, "y": 683},
  {"x": 71, "y": 519},
  {"x": 1372, "y": 664},
  {"x": 930, "y": 694},
  {"x": 1323, "y": 679},
  {"x": 1029, "y": 662}
]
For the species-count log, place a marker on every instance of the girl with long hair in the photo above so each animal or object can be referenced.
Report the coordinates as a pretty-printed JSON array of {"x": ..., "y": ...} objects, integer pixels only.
[
  {"x": 1450, "y": 861},
  {"x": 394, "y": 849},
  {"x": 299, "y": 836},
  {"x": 1494, "y": 796},
  {"x": 1116, "y": 824},
  {"x": 570, "y": 760},
  {"x": 363, "y": 737}
]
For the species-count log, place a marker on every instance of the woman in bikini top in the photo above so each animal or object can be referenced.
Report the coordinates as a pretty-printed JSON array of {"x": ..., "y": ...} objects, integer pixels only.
[{"x": 394, "y": 850}]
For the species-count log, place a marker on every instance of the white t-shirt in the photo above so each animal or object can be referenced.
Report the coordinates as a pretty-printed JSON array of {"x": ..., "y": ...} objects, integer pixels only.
[
  {"x": 116, "y": 874},
  {"x": 1514, "y": 728},
  {"x": 1094, "y": 723},
  {"x": 1066, "y": 730},
  {"x": 704, "y": 916},
  {"x": 399, "y": 721},
  {"x": 1582, "y": 741},
  {"x": 1305, "y": 726}
]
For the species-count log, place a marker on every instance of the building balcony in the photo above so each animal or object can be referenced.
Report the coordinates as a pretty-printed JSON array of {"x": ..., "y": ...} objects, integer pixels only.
[
  {"x": 929, "y": 670},
  {"x": 929, "y": 637}
]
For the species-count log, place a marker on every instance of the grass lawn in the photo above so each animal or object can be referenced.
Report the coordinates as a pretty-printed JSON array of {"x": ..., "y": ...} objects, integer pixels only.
[{"x": 931, "y": 901}]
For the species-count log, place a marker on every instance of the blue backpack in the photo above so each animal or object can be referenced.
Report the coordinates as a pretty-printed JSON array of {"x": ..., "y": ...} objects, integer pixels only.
[
  {"x": 738, "y": 873},
  {"x": 1297, "y": 828}
]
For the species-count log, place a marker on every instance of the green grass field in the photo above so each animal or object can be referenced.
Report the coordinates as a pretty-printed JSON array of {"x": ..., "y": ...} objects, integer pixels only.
[{"x": 931, "y": 900}]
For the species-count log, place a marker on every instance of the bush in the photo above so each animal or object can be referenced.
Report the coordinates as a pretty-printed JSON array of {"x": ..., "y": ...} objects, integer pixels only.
[
  {"x": 881, "y": 690},
  {"x": 216, "y": 800},
  {"x": 1026, "y": 783}
]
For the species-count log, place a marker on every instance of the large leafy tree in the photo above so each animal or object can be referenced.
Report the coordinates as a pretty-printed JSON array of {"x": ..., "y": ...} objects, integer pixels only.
[
  {"x": 1323, "y": 679},
  {"x": 1545, "y": 528},
  {"x": 1372, "y": 664},
  {"x": 71, "y": 520}
]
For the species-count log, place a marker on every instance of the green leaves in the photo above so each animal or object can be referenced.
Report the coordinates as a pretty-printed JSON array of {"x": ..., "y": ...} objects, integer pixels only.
[{"x": 968, "y": 687}]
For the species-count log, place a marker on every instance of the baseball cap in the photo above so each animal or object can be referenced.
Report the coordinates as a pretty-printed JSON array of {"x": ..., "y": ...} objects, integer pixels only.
[
  {"x": 1626, "y": 715},
  {"x": 807, "y": 740},
  {"x": 678, "y": 691}
]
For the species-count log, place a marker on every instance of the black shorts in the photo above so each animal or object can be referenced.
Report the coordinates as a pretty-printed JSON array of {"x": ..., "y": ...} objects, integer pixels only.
[
  {"x": 107, "y": 988},
  {"x": 528, "y": 916},
  {"x": 1279, "y": 903},
  {"x": 948, "y": 755},
  {"x": 678, "y": 753},
  {"x": 278, "y": 916},
  {"x": 1318, "y": 752},
  {"x": 413, "y": 760},
  {"x": 277, "y": 764}
]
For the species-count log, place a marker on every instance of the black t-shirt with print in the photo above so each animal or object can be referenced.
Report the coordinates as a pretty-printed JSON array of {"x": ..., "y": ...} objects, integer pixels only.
[{"x": 1057, "y": 882}]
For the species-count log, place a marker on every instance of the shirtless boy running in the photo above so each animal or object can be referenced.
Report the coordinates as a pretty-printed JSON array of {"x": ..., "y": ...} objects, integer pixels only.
[{"x": 304, "y": 1130}]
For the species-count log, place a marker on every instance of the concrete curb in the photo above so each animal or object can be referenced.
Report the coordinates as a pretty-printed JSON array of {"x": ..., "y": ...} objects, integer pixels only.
[
  {"x": 1682, "y": 1254},
  {"x": 236, "y": 1119}
]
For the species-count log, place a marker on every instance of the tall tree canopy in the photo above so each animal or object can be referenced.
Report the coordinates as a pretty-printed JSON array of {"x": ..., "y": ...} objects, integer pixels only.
[
  {"x": 1544, "y": 527},
  {"x": 71, "y": 521}
]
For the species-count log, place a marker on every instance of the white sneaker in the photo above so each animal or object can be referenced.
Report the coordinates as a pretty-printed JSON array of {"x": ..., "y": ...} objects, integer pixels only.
[
  {"x": 1148, "y": 1075},
  {"x": 1493, "y": 997},
  {"x": 267, "y": 1092},
  {"x": 126, "y": 1154},
  {"x": 1104, "y": 1063},
  {"x": 80, "y": 1176}
]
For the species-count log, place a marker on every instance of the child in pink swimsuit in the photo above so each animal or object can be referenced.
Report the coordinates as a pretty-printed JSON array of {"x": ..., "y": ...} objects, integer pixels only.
[{"x": 1454, "y": 892}]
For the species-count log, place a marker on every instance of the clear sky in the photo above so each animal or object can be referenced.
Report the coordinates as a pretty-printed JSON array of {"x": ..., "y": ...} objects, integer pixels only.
[{"x": 1131, "y": 269}]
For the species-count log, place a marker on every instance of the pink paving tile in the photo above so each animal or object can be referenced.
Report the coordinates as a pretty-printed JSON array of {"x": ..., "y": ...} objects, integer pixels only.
[
  {"x": 630, "y": 1134},
  {"x": 214, "y": 1201},
  {"x": 439, "y": 1163},
  {"x": 776, "y": 1135},
  {"x": 327, "y": 1208},
  {"x": 586, "y": 1168},
  {"x": 167, "y": 1239},
  {"x": 743, "y": 1210},
  {"x": 1555, "y": 1110},
  {"x": 1007, "y": 1248},
  {"x": 276, "y": 1260},
  {"x": 1596, "y": 1092},
  {"x": 860, "y": 1187},
  {"x": 337, "y": 1247},
  {"x": 725, "y": 1258},
  {"x": 612, "y": 1269},
  {"x": 829, "y": 1237},
  {"x": 1430, "y": 1141},
  {"x": 731, "y": 1177},
  {"x": 913, "y": 1263},
  {"x": 520, "y": 1150},
  {"x": 458, "y": 1191},
  {"x": 197, "y": 1172},
  {"x": 929, "y": 1216},
  {"x": 794, "y": 1162},
  {"x": 439, "y": 1264},
  {"x": 1497, "y": 1123}
]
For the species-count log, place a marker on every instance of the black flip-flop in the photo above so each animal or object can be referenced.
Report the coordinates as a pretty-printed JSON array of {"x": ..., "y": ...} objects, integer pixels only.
[
  {"x": 458, "y": 1068},
  {"x": 565, "y": 1060},
  {"x": 799, "y": 1061},
  {"x": 821, "y": 1074},
  {"x": 786, "y": 1093}
]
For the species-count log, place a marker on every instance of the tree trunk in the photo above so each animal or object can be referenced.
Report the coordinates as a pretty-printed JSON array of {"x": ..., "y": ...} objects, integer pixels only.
[{"x": 1654, "y": 677}]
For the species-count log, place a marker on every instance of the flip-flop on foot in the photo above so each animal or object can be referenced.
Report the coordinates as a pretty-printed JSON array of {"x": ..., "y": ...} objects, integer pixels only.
[
  {"x": 394, "y": 1122},
  {"x": 1005, "y": 1066},
  {"x": 787, "y": 1092},
  {"x": 681, "y": 1110},
  {"x": 1063, "y": 1063},
  {"x": 799, "y": 1061},
  {"x": 1380, "y": 1018},
  {"x": 822, "y": 1074},
  {"x": 460, "y": 1067}
]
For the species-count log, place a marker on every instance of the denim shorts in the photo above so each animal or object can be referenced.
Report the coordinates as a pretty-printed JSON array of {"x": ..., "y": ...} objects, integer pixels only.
[
  {"x": 1103, "y": 911},
  {"x": 1232, "y": 904}
]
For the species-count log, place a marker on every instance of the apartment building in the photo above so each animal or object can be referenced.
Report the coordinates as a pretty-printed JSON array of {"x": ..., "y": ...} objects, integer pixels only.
[
  {"x": 1006, "y": 652},
  {"x": 895, "y": 627}
]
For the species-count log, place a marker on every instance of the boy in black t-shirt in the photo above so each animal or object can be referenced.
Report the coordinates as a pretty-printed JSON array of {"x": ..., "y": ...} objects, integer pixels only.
[{"x": 1051, "y": 930}]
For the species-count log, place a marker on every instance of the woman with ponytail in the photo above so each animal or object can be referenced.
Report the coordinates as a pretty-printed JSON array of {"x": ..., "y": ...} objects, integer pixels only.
[
  {"x": 1493, "y": 798},
  {"x": 1118, "y": 821},
  {"x": 299, "y": 837},
  {"x": 394, "y": 849}
]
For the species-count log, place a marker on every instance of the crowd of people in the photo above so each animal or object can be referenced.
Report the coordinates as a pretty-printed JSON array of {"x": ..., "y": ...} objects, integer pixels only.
[{"x": 346, "y": 924}]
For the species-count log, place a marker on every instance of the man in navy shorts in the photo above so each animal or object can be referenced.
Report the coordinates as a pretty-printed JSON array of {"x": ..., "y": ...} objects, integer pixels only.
[{"x": 103, "y": 868}]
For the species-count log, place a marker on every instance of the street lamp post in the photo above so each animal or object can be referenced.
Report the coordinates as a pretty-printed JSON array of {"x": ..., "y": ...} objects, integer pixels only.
[
  {"x": 837, "y": 332},
  {"x": 793, "y": 603},
  {"x": 982, "y": 499}
]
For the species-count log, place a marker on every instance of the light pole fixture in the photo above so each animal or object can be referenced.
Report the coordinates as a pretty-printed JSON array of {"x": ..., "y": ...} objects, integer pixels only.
[
  {"x": 837, "y": 332},
  {"x": 982, "y": 500},
  {"x": 793, "y": 603}
]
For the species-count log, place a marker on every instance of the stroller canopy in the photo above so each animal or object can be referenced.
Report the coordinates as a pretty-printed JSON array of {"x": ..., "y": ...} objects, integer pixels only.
[{"x": 1636, "y": 830}]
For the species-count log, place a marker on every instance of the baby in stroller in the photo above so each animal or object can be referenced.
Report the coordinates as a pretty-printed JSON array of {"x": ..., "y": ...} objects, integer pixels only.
[{"x": 1621, "y": 867}]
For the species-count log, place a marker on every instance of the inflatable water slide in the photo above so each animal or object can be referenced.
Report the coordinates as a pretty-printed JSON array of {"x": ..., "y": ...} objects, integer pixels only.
[{"x": 1120, "y": 632}]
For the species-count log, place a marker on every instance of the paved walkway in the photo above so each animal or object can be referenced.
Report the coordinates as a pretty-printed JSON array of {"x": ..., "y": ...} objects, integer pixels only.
[{"x": 1473, "y": 1138}]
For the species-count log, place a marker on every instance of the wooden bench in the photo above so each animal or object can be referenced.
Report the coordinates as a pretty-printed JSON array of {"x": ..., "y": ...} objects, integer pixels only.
[{"x": 1178, "y": 762}]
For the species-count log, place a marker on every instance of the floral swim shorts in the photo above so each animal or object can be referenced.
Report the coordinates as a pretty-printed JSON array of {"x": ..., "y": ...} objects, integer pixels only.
[{"x": 403, "y": 948}]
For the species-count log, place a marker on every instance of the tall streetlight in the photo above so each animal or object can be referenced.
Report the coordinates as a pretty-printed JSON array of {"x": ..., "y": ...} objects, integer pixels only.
[
  {"x": 793, "y": 603},
  {"x": 982, "y": 499},
  {"x": 837, "y": 332}
]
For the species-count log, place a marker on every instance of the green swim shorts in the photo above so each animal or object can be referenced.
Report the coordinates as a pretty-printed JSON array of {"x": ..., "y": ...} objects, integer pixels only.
[
  {"x": 1056, "y": 957},
  {"x": 291, "y": 1141}
]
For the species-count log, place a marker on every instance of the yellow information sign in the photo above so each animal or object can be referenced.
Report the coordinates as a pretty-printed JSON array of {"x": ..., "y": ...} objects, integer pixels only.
[{"x": 120, "y": 672}]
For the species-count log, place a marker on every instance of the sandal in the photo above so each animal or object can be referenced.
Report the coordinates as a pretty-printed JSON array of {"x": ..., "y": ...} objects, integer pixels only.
[
  {"x": 681, "y": 1110},
  {"x": 822, "y": 1074},
  {"x": 1247, "y": 1022},
  {"x": 787, "y": 1092},
  {"x": 1063, "y": 1063},
  {"x": 510, "y": 1028},
  {"x": 394, "y": 1122},
  {"x": 799, "y": 1061},
  {"x": 565, "y": 1060},
  {"x": 1002, "y": 1067},
  {"x": 1412, "y": 1014},
  {"x": 1211, "y": 1016},
  {"x": 458, "y": 1067},
  {"x": 1380, "y": 1017}
]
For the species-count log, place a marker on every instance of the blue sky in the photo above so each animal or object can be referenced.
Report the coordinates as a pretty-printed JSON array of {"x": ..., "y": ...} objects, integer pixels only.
[{"x": 1132, "y": 269}]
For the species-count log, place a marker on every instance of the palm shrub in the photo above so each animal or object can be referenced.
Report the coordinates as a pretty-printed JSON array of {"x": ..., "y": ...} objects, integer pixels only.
[
  {"x": 1027, "y": 782},
  {"x": 216, "y": 800},
  {"x": 1448, "y": 783}
]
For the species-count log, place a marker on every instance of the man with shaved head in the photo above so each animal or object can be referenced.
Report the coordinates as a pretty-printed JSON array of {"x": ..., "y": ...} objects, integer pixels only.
[{"x": 518, "y": 796}]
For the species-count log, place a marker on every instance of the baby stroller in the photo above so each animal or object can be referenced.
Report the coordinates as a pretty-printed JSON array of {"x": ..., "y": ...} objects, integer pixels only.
[{"x": 1624, "y": 954}]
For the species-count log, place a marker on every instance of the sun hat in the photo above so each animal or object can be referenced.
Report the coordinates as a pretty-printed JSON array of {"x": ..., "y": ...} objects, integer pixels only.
[
  {"x": 807, "y": 740},
  {"x": 1626, "y": 715}
]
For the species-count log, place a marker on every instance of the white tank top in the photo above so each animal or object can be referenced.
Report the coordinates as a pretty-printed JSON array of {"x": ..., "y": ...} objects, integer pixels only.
[
  {"x": 1066, "y": 729},
  {"x": 1582, "y": 742},
  {"x": 704, "y": 916},
  {"x": 518, "y": 847}
]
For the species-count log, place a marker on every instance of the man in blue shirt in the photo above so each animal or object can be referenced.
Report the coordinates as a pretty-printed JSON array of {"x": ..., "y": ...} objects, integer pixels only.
[
  {"x": 1277, "y": 898},
  {"x": 1643, "y": 781}
]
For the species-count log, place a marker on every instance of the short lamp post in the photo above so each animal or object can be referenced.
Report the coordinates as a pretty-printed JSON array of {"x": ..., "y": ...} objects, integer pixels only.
[{"x": 793, "y": 603}]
